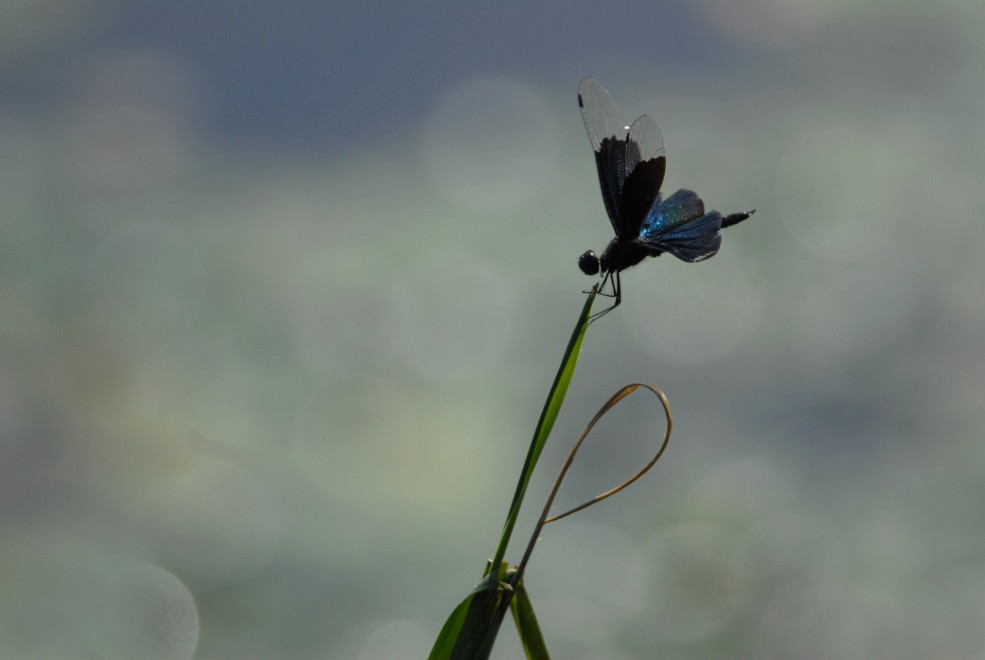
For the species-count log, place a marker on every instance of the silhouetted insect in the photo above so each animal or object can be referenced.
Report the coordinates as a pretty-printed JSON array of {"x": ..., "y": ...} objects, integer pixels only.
[{"x": 631, "y": 162}]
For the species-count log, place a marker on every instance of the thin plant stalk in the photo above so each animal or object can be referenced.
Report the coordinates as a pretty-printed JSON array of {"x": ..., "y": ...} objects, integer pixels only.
[{"x": 472, "y": 627}]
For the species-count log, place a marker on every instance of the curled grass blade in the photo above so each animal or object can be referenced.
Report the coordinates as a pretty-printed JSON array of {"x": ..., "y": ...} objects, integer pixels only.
[
  {"x": 616, "y": 398},
  {"x": 613, "y": 400}
]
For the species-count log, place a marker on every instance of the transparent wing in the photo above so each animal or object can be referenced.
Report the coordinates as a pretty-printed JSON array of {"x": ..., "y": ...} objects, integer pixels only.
[
  {"x": 646, "y": 164},
  {"x": 607, "y": 131},
  {"x": 644, "y": 143},
  {"x": 603, "y": 118}
]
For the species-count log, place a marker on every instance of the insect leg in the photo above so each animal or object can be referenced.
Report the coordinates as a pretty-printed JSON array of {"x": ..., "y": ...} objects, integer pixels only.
[{"x": 611, "y": 278}]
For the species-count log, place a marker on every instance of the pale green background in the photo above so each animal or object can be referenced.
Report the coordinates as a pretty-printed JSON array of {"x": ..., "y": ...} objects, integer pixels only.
[{"x": 283, "y": 287}]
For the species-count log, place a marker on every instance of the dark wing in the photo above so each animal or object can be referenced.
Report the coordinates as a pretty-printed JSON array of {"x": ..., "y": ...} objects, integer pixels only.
[
  {"x": 680, "y": 226},
  {"x": 607, "y": 130},
  {"x": 646, "y": 162}
]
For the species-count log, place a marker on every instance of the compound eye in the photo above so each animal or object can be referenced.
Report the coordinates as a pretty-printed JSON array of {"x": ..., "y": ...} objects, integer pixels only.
[{"x": 589, "y": 263}]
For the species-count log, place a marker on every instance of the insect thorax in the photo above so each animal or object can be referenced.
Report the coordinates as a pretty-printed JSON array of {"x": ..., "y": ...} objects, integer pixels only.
[{"x": 621, "y": 254}]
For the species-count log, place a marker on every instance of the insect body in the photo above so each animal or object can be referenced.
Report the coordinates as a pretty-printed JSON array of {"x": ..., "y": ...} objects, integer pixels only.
[{"x": 631, "y": 163}]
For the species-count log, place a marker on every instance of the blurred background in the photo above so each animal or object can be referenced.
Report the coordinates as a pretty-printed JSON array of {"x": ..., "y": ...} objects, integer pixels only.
[{"x": 283, "y": 288}]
